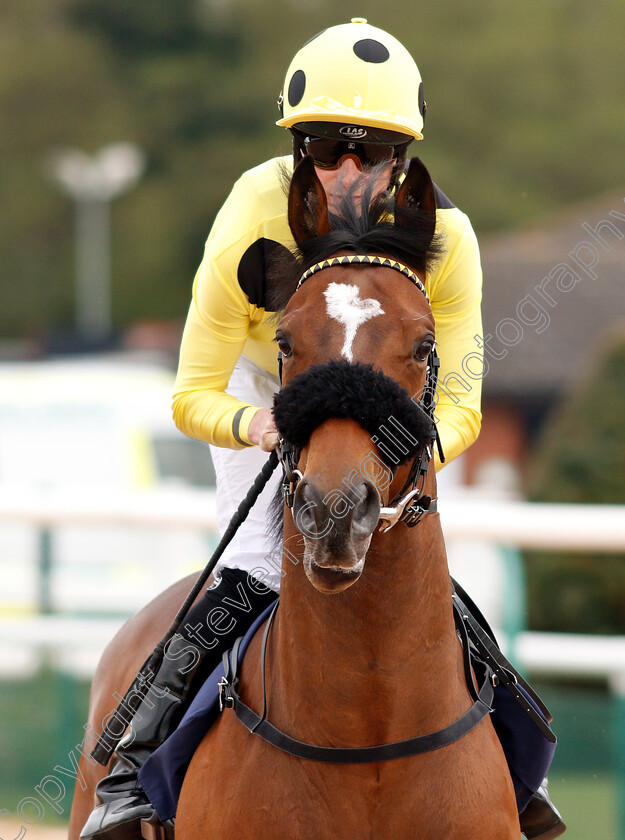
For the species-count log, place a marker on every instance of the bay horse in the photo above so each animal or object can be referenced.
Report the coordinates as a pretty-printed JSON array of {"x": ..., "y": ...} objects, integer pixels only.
[{"x": 363, "y": 649}]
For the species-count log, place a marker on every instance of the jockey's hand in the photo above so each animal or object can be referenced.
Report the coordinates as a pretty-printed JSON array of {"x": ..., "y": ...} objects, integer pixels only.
[{"x": 262, "y": 430}]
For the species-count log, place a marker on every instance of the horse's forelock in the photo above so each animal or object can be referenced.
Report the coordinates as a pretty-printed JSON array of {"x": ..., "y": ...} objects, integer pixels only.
[{"x": 365, "y": 226}]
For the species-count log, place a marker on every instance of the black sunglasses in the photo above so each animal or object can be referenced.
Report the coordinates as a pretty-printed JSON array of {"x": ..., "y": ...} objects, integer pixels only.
[{"x": 327, "y": 153}]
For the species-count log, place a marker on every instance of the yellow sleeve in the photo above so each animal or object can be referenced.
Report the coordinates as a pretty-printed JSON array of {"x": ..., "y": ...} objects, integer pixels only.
[
  {"x": 215, "y": 332},
  {"x": 217, "y": 326},
  {"x": 223, "y": 321},
  {"x": 456, "y": 294}
]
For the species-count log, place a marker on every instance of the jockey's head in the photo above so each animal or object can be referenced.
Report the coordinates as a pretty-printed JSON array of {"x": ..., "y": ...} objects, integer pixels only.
[{"x": 353, "y": 95}]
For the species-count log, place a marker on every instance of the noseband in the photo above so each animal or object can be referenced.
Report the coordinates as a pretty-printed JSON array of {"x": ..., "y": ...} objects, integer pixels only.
[{"x": 358, "y": 392}]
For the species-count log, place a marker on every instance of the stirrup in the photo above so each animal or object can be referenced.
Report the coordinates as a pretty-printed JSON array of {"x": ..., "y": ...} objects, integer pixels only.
[
  {"x": 541, "y": 819},
  {"x": 153, "y": 829}
]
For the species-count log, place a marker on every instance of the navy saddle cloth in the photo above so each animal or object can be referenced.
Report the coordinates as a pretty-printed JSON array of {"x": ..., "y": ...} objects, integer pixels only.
[
  {"x": 162, "y": 775},
  {"x": 528, "y": 752}
]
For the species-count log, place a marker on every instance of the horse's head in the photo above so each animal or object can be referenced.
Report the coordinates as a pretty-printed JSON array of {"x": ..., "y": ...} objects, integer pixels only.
[{"x": 355, "y": 341}]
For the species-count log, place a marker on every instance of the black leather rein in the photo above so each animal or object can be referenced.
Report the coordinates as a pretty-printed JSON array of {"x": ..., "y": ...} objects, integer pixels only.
[{"x": 259, "y": 725}]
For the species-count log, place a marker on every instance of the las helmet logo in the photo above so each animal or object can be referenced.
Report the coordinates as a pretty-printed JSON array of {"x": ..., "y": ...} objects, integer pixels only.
[{"x": 353, "y": 132}]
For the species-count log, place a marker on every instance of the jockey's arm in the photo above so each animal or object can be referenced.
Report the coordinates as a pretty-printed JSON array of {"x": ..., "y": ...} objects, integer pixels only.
[
  {"x": 223, "y": 323},
  {"x": 212, "y": 341},
  {"x": 455, "y": 288}
]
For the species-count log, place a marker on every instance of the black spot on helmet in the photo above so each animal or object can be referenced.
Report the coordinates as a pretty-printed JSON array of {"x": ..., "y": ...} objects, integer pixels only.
[
  {"x": 372, "y": 51},
  {"x": 297, "y": 86}
]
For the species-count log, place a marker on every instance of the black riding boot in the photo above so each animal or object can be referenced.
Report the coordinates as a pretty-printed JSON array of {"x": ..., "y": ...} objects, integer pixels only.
[
  {"x": 541, "y": 818},
  {"x": 123, "y": 803}
]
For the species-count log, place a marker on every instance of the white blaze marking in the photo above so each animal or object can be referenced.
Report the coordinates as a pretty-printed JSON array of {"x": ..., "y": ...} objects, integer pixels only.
[{"x": 345, "y": 304}]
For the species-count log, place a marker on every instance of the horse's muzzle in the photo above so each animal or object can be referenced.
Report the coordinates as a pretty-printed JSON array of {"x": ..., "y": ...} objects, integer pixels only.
[{"x": 337, "y": 529}]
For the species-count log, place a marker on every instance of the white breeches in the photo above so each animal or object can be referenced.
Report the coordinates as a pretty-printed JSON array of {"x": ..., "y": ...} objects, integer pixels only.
[{"x": 236, "y": 469}]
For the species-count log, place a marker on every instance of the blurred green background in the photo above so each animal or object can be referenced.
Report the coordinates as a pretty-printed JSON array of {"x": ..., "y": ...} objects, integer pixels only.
[{"x": 525, "y": 115}]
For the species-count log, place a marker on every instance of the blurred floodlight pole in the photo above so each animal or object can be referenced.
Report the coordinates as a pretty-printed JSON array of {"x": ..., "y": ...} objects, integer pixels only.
[{"x": 93, "y": 181}]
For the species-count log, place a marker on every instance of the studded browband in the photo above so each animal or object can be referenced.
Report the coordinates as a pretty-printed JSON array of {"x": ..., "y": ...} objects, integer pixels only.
[{"x": 364, "y": 259}]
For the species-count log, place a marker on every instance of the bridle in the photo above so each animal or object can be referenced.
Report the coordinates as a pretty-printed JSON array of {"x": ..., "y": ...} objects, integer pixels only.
[
  {"x": 411, "y": 504},
  {"x": 481, "y": 658}
]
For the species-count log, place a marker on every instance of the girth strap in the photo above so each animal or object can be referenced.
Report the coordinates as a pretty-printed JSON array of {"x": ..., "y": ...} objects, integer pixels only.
[{"x": 260, "y": 726}]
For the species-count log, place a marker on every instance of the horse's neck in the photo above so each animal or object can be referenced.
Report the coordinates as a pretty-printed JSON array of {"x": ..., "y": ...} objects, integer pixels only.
[{"x": 388, "y": 642}]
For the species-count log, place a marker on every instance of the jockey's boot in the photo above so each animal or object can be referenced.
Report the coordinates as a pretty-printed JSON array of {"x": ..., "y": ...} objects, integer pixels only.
[
  {"x": 541, "y": 818},
  {"x": 122, "y": 801}
]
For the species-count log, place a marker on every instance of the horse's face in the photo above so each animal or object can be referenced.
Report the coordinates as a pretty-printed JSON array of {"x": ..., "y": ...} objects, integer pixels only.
[{"x": 364, "y": 315}]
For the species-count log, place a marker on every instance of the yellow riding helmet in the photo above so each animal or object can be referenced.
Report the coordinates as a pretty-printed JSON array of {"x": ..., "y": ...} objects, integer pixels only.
[{"x": 356, "y": 74}]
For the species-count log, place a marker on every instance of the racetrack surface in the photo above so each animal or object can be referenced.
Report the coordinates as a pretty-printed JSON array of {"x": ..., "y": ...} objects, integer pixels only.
[{"x": 10, "y": 830}]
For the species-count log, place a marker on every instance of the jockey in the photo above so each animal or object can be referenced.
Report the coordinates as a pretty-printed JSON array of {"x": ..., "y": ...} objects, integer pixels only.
[{"x": 352, "y": 97}]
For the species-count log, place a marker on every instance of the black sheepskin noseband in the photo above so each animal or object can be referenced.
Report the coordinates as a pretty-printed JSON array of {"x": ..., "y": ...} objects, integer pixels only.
[{"x": 355, "y": 392}]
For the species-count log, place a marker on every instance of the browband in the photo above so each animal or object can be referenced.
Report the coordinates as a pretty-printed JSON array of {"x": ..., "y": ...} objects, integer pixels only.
[{"x": 364, "y": 259}]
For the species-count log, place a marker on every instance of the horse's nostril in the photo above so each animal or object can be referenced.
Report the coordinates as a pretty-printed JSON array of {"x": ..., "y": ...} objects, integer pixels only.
[
  {"x": 354, "y": 510},
  {"x": 367, "y": 511},
  {"x": 303, "y": 508},
  {"x": 363, "y": 507},
  {"x": 310, "y": 512}
]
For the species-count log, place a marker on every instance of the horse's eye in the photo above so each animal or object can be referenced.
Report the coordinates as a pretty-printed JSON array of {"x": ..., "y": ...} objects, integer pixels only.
[
  {"x": 423, "y": 349},
  {"x": 284, "y": 345}
]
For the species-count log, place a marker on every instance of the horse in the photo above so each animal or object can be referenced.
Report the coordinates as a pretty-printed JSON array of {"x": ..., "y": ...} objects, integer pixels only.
[
  {"x": 363, "y": 649},
  {"x": 362, "y": 653}
]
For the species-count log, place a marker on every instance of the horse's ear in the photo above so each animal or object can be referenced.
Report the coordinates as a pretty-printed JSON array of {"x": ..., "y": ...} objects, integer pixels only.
[
  {"x": 308, "y": 205},
  {"x": 416, "y": 192}
]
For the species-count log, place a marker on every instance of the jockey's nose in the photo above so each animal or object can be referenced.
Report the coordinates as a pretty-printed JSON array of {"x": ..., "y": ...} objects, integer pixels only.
[{"x": 349, "y": 168}]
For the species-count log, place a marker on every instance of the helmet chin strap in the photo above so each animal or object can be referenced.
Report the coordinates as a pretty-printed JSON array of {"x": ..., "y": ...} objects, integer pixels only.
[
  {"x": 399, "y": 168},
  {"x": 298, "y": 148}
]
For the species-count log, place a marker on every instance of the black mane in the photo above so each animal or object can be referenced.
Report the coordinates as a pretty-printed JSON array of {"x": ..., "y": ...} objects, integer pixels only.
[{"x": 363, "y": 226}]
